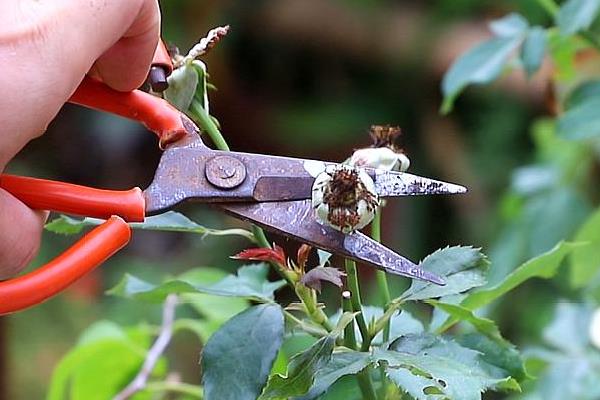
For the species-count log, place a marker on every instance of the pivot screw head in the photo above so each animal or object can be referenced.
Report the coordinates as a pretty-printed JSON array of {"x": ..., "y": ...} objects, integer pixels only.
[{"x": 225, "y": 172}]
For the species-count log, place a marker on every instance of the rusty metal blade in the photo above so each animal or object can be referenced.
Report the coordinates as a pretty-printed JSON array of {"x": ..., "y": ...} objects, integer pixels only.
[
  {"x": 190, "y": 170},
  {"x": 295, "y": 219},
  {"x": 389, "y": 184}
]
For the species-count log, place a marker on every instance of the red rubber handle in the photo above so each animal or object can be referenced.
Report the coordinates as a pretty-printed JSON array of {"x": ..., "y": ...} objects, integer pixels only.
[
  {"x": 153, "y": 112},
  {"x": 89, "y": 252},
  {"x": 41, "y": 194}
]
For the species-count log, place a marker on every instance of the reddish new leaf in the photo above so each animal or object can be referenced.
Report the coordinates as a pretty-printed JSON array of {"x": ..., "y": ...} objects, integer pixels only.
[
  {"x": 303, "y": 253},
  {"x": 275, "y": 255},
  {"x": 316, "y": 276}
]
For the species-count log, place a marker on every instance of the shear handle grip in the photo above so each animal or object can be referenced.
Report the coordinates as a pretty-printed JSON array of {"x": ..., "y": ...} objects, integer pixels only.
[
  {"x": 41, "y": 194},
  {"x": 154, "y": 113},
  {"x": 89, "y": 252}
]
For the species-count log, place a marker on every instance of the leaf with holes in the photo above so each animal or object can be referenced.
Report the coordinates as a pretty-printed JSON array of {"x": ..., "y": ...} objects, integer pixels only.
[{"x": 441, "y": 366}]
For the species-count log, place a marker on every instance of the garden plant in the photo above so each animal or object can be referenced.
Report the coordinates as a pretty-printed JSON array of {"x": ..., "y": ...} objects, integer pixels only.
[{"x": 268, "y": 332}]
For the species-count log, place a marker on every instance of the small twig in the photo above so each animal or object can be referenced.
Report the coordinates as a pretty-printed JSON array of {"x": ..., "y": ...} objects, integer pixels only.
[
  {"x": 204, "y": 45},
  {"x": 157, "y": 349}
]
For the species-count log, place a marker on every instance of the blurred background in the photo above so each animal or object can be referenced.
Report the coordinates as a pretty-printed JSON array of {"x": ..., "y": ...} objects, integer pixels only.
[{"x": 307, "y": 79}]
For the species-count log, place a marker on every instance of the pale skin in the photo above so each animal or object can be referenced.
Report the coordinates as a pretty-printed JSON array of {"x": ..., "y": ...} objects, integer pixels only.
[{"x": 46, "y": 48}]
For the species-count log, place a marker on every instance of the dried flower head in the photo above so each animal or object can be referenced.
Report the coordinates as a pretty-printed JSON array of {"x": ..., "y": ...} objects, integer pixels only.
[
  {"x": 384, "y": 153},
  {"x": 344, "y": 197},
  {"x": 386, "y": 136}
]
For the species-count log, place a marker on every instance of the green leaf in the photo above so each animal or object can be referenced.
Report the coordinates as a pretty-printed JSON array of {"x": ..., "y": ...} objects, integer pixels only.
[
  {"x": 483, "y": 325},
  {"x": 533, "y": 50},
  {"x": 462, "y": 268},
  {"x": 582, "y": 121},
  {"x": 103, "y": 362},
  {"x": 442, "y": 366},
  {"x": 182, "y": 87},
  {"x": 569, "y": 330},
  {"x": 577, "y": 15},
  {"x": 339, "y": 365},
  {"x": 509, "y": 26},
  {"x": 543, "y": 266},
  {"x": 237, "y": 359},
  {"x": 505, "y": 357},
  {"x": 301, "y": 372},
  {"x": 583, "y": 92},
  {"x": 585, "y": 260},
  {"x": 250, "y": 282},
  {"x": 482, "y": 64},
  {"x": 170, "y": 221}
]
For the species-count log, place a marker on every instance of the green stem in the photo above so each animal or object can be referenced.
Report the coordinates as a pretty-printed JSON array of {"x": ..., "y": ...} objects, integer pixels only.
[
  {"x": 311, "y": 307},
  {"x": 175, "y": 387},
  {"x": 349, "y": 335},
  {"x": 312, "y": 330},
  {"x": 381, "y": 276},
  {"x": 206, "y": 123},
  {"x": 260, "y": 237},
  {"x": 366, "y": 385},
  {"x": 356, "y": 302}
]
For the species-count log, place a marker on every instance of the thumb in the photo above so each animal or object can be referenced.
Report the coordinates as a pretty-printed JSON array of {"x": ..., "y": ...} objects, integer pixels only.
[{"x": 20, "y": 234}]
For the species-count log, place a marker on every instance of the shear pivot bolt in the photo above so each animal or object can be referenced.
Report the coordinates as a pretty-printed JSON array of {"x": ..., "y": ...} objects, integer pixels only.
[{"x": 225, "y": 172}]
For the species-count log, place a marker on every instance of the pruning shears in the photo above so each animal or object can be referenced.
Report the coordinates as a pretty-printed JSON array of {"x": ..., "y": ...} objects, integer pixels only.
[{"x": 270, "y": 191}]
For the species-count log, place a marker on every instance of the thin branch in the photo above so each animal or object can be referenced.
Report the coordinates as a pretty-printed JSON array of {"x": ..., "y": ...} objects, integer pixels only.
[{"x": 157, "y": 349}]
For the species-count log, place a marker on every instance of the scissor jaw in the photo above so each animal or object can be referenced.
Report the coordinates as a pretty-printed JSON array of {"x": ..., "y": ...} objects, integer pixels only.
[
  {"x": 190, "y": 170},
  {"x": 274, "y": 193}
]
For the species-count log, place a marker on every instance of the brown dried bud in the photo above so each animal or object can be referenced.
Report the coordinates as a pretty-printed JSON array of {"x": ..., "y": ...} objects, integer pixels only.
[
  {"x": 385, "y": 136},
  {"x": 345, "y": 197}
]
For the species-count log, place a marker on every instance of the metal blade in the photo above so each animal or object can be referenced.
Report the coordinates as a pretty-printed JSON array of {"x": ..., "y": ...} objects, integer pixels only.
[
  {"x": 190, "y": 170},
  {"x": 296, "y": 219},
  {"x": 390, "y": 184}
]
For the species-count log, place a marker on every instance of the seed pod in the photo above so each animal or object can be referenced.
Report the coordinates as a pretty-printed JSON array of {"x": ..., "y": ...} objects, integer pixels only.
[{"x": 344, "y": 198}]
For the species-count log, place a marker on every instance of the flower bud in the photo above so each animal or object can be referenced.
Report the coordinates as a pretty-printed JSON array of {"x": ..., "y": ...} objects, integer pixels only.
[{"x": 344, "y": 198}]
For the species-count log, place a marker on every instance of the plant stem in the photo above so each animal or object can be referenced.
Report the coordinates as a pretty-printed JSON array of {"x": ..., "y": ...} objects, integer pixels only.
[
  {"x": 349, "y": 335},
  {"x": 260, "y": 237},
  {"x": 205, "y": 122},
  {"x": 175, "y": 387},
  {"x": 355, "y": 300},
  {"x": 363, "y": 377},
  {"x": 155, "y": 351},
  {"x": 381, "y": 276},
  {"x": 314, "y": 331},
  {"x": 366, "y": 385},
  {"x": 314, "y": 312}
]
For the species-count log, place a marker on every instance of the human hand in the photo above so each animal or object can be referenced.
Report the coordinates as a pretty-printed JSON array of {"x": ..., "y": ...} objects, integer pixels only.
[{"x": 46, "y": 48}]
